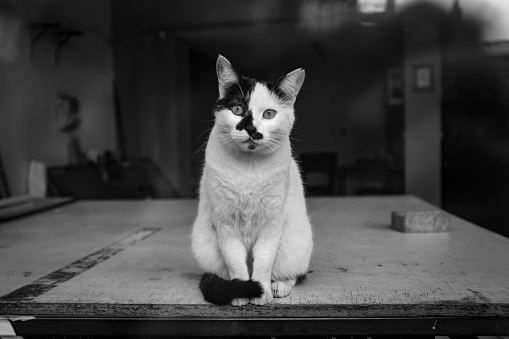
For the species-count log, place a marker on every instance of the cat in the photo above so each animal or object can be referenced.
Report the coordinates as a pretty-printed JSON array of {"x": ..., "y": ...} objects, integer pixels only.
[{"x": 252, "y": 235}]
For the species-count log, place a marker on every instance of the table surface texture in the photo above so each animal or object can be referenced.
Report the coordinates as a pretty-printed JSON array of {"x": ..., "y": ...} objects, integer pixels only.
[{"x": 133, "y": 259}]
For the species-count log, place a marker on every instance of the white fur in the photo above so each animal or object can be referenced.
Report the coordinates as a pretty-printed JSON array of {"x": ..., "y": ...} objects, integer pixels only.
[
  {"x": 253, "y": 200},
  {"x": 225, "y": 73}
]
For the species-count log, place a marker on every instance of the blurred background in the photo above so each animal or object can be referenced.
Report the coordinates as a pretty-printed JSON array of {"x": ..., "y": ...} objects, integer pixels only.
[{"x": 111, "y": 99}]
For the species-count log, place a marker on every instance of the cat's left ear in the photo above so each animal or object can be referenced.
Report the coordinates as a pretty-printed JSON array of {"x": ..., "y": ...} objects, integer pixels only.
[
  {"x": 226, "y": 74},
  {"x": 291, "y": 83}
]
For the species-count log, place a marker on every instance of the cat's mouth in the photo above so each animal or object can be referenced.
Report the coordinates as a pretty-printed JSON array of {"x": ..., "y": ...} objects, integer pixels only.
[{"x": 251, "y": 144}]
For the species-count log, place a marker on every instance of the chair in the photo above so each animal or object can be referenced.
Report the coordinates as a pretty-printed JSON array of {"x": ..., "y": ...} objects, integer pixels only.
[
  {"x": 319, "y": 173},
  {"x": 374, "y": 177}
]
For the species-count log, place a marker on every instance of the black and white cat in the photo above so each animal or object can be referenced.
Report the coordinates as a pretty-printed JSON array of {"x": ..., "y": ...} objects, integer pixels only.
[{"x": 252, "y": 234}]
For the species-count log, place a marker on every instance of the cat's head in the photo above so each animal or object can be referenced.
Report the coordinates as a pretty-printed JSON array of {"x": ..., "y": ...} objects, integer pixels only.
[{"x": 255, "y": 116}]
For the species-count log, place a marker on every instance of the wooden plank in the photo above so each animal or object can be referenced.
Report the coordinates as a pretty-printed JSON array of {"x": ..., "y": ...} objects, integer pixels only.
[
  {"x": 361, "y": 267},
  {"x": 22, "y": 206},
  {"x": 7, "y": 202}
]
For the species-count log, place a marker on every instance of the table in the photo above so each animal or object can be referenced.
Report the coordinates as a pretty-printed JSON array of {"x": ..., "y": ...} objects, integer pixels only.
[
  {"x": 125, "y": 267},
  {"x": 22, "y": 206}
]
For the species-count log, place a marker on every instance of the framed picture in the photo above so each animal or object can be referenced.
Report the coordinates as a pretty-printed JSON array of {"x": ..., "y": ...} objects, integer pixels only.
[
  {"x": 395, "y": 88},
  {"x": 423, "y": 78}
]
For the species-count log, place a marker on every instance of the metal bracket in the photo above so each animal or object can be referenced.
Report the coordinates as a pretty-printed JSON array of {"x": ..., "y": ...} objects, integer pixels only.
[
  {"x": 6, "y": 330},
  {"x": 61, "y": 35},
  {"x": 36, "y": 31}
]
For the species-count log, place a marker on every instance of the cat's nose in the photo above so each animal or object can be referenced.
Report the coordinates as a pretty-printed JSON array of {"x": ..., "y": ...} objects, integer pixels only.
[
  {"x": 250, "y": 129},
  {"x": 256, "y": 136}
]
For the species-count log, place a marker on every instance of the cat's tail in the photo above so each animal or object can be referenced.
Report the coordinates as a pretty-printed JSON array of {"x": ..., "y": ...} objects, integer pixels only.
[{"x": 220, "y": 291}]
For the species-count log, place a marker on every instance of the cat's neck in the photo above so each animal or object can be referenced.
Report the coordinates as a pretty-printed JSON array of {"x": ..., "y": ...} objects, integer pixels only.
[{"x": 219, "y": 153}]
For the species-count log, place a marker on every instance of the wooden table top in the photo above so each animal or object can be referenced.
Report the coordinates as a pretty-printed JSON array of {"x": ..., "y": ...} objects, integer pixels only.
[{"x": 121, "y": 260}]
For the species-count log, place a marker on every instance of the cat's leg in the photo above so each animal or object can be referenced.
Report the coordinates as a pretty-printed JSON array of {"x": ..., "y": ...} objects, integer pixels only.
[
  {"x": 296, "y": 243},
  {"x": 205, "y": 246},
  {"x": 235, "y": 254},
  {"x": 264, "y": 252},
  {"x": 293, "y": 254},
  {"x": 219, "y": 253}
]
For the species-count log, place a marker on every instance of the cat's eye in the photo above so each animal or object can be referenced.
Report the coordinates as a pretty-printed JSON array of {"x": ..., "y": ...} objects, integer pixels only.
[
  {"x": 237, "y": 110},
  {"x": 269, "y": 114}
]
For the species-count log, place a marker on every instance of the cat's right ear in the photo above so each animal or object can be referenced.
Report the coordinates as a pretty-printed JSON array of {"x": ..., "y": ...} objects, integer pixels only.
[
  {"x": 226, "y": 74},
  {"x": 290, "y": 85}
]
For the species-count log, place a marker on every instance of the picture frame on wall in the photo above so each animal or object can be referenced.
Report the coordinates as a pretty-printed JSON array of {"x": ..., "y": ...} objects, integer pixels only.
[
  {"x": 395, "y": 86},
  {"x": 423, "y": 78}
]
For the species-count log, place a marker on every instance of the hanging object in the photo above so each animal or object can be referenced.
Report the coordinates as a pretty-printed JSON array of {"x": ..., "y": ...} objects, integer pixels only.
[
  {"x": 67, "y": 120},
  {"x": 372, "y": 6},
  {"x": 66, "y": 113}
]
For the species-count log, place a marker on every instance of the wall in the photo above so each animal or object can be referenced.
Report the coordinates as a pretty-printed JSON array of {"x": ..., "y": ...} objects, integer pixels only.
[
  {"x": 167, "y": 100},
  {"x": 476, "y": 143},
  {"x": 28, "y": 88},
  {"x": 153, "y": 79},
  {"x": 423, "y": 131},
  {"x": 332, "y": 118},
  {"x": 204, "y": 93},
  {"x": 329, "y": 116}
]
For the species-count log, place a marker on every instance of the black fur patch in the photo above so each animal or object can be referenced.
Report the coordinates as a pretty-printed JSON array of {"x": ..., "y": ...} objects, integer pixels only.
[
  {"x": 257, "y": 136},
  {"x": 300, "y": 279},
  {"x": 247, "y": 124},
  {"x": 221, "y": 292},
  {"x": 237, "y": 94}
]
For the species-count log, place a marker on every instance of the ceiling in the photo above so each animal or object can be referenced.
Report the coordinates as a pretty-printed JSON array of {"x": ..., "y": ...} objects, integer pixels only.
[{"x": 258, "y": 33}]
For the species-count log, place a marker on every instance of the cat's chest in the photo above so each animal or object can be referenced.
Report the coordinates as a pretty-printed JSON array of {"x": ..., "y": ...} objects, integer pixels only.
[{"x": 247, "y": 195}]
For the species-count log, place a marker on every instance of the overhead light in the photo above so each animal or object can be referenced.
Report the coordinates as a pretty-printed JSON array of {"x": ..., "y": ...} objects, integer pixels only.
[
  {"x": 371, "y": 6},
  {"x": 323, "y": 15}
]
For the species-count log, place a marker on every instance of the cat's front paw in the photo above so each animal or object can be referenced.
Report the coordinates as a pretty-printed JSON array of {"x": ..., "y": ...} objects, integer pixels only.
[
  {"x": 280, "y": 289},
  {"x": 265, "y": 298},
  {"x": 240, "y": 301}
]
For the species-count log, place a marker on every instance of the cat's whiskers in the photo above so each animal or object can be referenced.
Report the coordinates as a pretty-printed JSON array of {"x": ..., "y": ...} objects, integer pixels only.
[
  {"x": 207, "y": 130},
  {"x": 271, "y": 144},
  {"x": 296, "y": 153},
  {"x": 201, "y": 149},
  {"x": 203, "y": 146}
]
